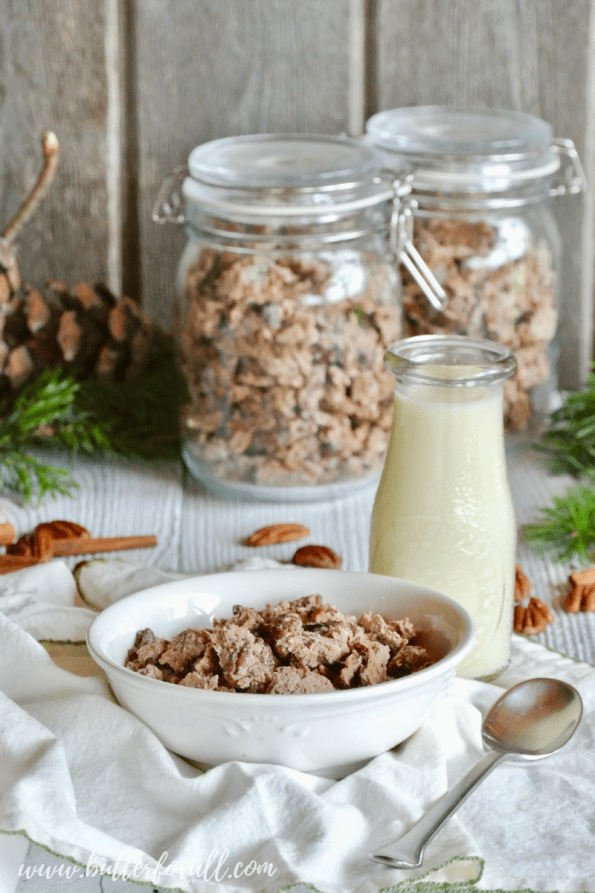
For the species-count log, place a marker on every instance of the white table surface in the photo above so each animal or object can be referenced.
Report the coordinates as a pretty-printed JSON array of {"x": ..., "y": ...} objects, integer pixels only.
[{"x": 201, "y": 533}]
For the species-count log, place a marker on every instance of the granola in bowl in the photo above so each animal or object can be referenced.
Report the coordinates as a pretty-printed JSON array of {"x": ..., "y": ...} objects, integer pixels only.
[
  {"x": 295, "y": 647},
  {"x": 328, "y": 732}
]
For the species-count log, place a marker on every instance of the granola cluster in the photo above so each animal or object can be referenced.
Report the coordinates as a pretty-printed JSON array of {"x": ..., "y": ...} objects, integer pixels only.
[
  {"x": 284, "y": 362},
  {"x": 296, "y": 647},
  {"x": 492, "y": 293}
]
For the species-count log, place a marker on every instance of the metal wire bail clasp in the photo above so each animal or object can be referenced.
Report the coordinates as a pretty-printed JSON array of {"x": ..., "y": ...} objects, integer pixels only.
[
  {"x": 401, "y": 236},
  {"x": 169, "y": 204},
  {"x": 572, "y": 173}
]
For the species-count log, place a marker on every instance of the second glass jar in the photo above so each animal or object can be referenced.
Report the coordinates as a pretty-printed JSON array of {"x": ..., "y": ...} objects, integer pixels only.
[{"x": 483, "y": 183}]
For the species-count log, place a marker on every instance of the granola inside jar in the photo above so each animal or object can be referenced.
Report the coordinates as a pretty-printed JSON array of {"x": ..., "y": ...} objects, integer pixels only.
[
  {"x": 483, "y": 185},
  {"x": 289, "y": 297}
]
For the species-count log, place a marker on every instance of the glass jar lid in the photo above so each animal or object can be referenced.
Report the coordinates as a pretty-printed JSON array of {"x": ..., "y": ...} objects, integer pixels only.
[
  {"x": 287, "y": 161},
  {"x": 459, "y": 149},
  {"x": 288, "y": 191},
  {"x": 286, "y": 175}
]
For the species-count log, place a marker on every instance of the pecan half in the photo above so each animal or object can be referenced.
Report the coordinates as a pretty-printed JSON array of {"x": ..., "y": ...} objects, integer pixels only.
[
  {"x": 7, "y": 533},
  {"x": 582, "y": 591},
  {"x": 580, "y": 598},
  {"x": 522, "y": 584},
  {"x": 63, "y": 530},
  {"x": 277, "y": 533},
  {"x": 40, "y": 543},
  {"x": 583, "y": 578},
  {"x": 34, "y": 545},
  {"x": 317, "y": 556},
  {"x": 533, "y": 619}
]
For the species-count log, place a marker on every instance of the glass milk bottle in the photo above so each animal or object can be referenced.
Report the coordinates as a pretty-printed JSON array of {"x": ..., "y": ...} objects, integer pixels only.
[{"x": 443, "y": 514}]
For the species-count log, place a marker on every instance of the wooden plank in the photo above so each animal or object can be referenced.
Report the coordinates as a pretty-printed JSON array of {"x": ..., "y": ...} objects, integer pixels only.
[
  {"x": 207, "y": 69},
  {"x": 357, "y": 53},
  {"x": 527, "y": 55},
  {"x": 54, "y": 76}
]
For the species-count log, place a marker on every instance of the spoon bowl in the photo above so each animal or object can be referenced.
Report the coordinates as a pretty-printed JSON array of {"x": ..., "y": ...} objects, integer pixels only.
[{"x": 532, "y": 720}]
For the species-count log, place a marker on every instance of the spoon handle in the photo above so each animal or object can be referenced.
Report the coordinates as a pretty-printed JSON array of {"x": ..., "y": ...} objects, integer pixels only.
[{"x": 408, "y": 851}]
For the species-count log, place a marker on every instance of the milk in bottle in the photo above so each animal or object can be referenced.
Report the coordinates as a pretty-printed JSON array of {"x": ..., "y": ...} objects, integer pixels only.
[{"x": 443, "y": 514}]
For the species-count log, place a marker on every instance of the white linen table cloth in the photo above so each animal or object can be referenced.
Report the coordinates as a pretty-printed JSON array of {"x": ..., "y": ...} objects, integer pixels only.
[{"x": 508, "y": 827}]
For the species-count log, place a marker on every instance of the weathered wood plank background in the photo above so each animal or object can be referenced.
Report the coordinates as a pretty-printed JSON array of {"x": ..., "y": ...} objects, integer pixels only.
[
  {"x": 131, "y": 86},
  {"x": 212, "y": 69},
  {"x": 54, "y": 75}
]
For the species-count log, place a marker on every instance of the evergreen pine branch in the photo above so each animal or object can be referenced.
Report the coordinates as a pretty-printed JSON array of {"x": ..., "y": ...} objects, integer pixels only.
[
  {"x": 142, "y": 413},
  {"x": 42, "y": 402},
  {"x": 570, "y": 439},
  {"x": 29, "y": 476},
  {"x": 51, "y": 406},
  {"x": 138, "y": 418},
  {"x": 567, "y": 527},
  {"x": 46, "y": 409}
]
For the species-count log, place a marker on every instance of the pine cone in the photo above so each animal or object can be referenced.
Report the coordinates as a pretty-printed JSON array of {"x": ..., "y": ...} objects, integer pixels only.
[{"x": 87, "y": 330}]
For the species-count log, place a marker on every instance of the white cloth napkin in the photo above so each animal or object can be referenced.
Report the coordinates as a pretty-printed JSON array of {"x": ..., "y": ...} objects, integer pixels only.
[
  {"x": 41, "y": 600},
  {"x": 84, "y": 778}
]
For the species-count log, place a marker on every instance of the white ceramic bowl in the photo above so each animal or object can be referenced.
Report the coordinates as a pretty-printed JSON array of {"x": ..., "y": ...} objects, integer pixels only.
[{"x": 330, "y": 733}]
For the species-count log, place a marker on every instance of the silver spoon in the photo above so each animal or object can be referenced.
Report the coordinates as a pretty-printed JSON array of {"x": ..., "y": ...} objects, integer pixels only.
[{"x": 530, "y": 721}]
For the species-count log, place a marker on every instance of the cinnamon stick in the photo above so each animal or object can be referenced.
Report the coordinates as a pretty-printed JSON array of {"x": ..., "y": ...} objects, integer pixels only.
[
  {"x": 10, "y": 563},
  {"x": 86, "y": 544},
  {"x": 74, "y": 545}
]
